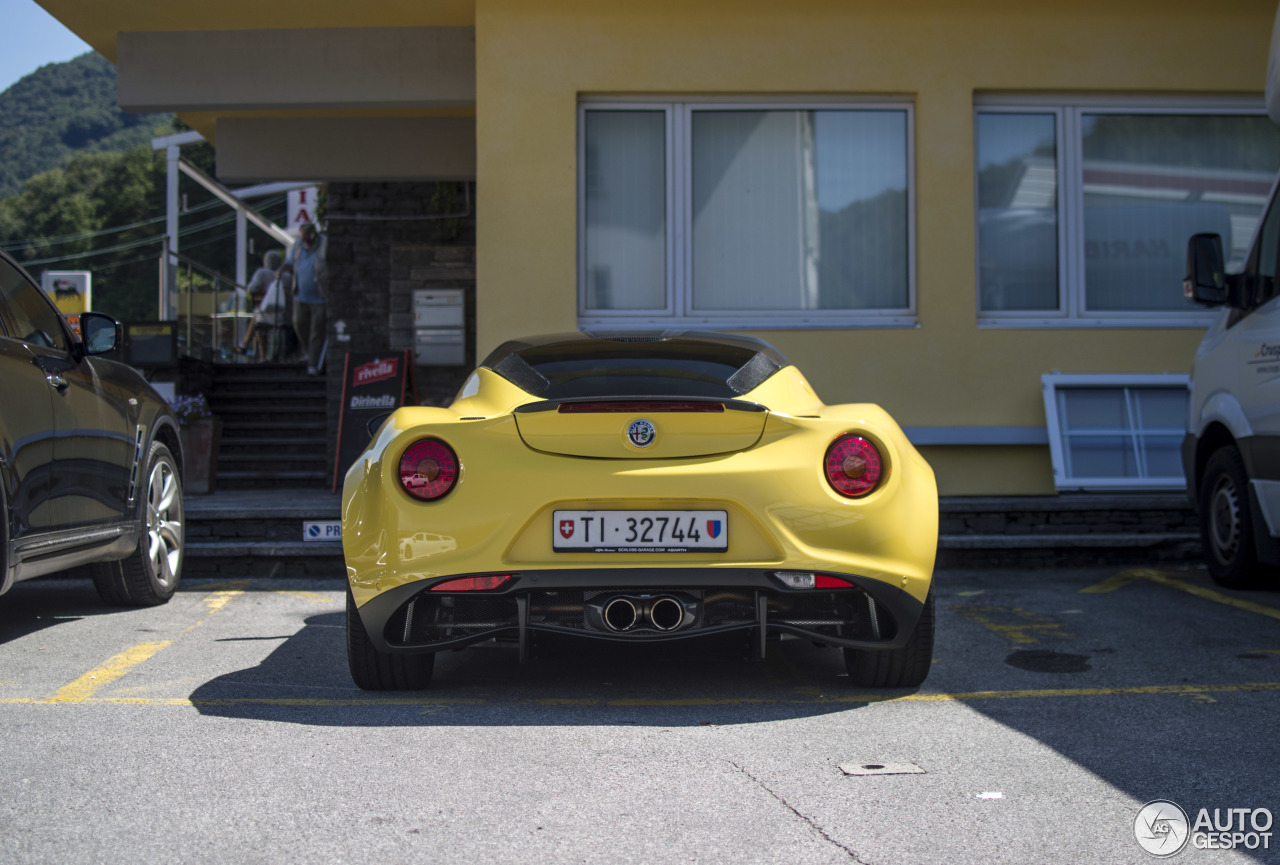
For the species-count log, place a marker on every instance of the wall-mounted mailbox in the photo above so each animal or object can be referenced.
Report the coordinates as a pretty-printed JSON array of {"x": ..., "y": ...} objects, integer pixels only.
[
  {"x": 439, "y": 324},
  {"x": 438, "y": 307}
]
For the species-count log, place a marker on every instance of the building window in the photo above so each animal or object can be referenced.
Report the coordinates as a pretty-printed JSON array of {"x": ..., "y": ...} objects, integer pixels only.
[
  {"x": 1084, "y": 210},
  {"x": 733, "y": 214},
  {"x": 1115, "y": 432}
]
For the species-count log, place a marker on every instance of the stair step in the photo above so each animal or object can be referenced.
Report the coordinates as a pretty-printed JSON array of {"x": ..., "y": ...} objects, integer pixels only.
[
  {"x": 300, "y": 390},
  {"x": 235, "y": 547},
  {"x": 279, "y": 403},
  {"x": 272, "y": 411},
  {"x": 272, "y": 432},
  {"x": 261, "y": 467},
  {"x": 280, "y": 476},
  {"x": 261, "y": 370},
  {"x": 274, "y": 426},
  {"x": 294, "y": 442}
]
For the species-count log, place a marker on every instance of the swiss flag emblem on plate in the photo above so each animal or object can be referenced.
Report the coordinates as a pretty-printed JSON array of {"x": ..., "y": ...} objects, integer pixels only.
[{"x": 566, "y": 529}]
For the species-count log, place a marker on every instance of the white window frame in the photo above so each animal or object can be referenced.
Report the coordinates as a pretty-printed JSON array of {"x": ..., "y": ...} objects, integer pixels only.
[
  {"x": 1068, "y": 114},
  {"x": 679, "y": 311},
  {"x": 1063, "y": 478}
]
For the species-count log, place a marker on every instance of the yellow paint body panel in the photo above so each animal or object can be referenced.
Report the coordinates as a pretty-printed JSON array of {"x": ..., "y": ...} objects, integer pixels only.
[
  {"x": 679, "y": 434},
  {"x": 782, "y": 513}
]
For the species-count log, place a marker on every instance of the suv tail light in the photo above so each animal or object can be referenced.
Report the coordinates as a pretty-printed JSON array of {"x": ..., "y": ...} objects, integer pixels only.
[
  {"x": 853, "y": 466},
  {"x": 428, "y": 469}
]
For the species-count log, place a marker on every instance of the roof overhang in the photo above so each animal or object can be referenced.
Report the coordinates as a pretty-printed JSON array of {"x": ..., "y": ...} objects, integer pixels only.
[{"x": 384, "y": 89}]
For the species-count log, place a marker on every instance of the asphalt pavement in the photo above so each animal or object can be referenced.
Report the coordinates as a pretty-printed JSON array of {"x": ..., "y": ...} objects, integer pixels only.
[{"x": 223, "y": 727}]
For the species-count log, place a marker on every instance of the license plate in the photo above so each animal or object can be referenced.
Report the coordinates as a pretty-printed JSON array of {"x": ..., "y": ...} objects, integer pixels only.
[{"x": 639, "y": 531}]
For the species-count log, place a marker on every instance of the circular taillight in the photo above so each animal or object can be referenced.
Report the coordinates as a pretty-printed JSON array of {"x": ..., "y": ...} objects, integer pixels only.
[
  {"x": 853, "y": 466},
  {"x": 428, "y": 469}
]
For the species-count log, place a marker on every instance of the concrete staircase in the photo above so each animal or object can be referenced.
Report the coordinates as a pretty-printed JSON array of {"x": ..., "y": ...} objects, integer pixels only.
[
  {"x": 261, "y": 533},
  {"x": 273, "y": 427}
]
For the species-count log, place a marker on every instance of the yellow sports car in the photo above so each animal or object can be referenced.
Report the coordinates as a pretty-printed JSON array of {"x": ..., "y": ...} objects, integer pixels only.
[{"x": 639, "y": 487}]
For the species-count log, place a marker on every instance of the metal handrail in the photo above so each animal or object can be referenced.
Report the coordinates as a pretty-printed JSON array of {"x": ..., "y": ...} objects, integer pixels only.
[{"x": 198, "y": 329}]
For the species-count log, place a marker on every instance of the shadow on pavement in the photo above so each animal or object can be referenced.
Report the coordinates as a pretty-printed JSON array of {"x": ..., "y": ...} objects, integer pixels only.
[
  {"x": 46, "y": 602},
  {"x": 567, "y": 682},
  {"x": 1207, "y": 741}
]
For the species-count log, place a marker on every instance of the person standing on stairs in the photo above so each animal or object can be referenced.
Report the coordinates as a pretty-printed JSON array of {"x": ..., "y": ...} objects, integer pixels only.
[{"x": 310, "y": 278}]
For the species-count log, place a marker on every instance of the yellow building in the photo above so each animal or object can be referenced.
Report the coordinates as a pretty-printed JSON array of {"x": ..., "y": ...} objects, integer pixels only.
[{"x": 927, "y": 205}]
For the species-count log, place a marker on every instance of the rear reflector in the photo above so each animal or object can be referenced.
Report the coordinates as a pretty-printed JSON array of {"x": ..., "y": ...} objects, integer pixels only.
[
  {"x": 807, "y": 580},
  {"x": 822, "y": 581},
  {"x": 639, "y": 406},
  {"x": 473, "y": 584}
]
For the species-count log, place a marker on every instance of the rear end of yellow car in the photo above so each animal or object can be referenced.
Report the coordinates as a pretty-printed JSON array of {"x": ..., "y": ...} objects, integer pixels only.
[{"x": 640, "y": 517}]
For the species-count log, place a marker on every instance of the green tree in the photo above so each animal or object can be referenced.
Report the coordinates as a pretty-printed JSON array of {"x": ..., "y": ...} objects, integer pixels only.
[{"x": 61, "y": 109}]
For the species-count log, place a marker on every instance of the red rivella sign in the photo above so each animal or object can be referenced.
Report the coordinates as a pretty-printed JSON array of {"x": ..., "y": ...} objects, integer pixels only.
[{"x": 375, "y": 371}]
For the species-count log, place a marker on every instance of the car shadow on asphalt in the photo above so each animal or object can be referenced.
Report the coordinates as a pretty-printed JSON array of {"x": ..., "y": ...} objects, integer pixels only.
[
  {"x": 694, "y": 682},
  {"x": 31, "y": 607}
]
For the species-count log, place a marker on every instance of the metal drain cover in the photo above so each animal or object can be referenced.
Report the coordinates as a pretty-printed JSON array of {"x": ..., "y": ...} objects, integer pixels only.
[{"x": 881, "y": 769}]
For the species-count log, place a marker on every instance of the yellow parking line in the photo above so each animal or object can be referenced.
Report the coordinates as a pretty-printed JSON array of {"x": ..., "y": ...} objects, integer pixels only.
[
  {"x": 215, "y": 586},
  {"x": 314, "y": 597},
  {"x": 958, "y": 697},
  {"x": 1017, "y": 632},
  {"x": 85, "y": 686},
  {"x": 703, "y": 701},
  {"x": 217, "y": 600},
  {"x": 1085, "y": 692},
  {"x": 1113, "y": 582},
  {"x": 1124, "y": 578}
]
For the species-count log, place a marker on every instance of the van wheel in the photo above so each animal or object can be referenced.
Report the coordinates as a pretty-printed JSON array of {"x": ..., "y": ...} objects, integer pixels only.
[
  {"x": 907, "y": 667},
  {"x": 1226, "y": 526}
]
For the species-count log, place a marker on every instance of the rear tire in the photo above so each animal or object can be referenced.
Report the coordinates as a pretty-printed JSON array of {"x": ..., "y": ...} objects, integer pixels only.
[
  {"x": 373, "y": 670},
  {"x": 906, "y": 667},
  {"x": 1226, "y": 521},
  {"x": 149, "y": 575}
]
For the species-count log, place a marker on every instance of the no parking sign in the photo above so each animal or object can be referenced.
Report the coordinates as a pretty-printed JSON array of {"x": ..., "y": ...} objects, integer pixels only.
[{"x": 322, "y": 530}]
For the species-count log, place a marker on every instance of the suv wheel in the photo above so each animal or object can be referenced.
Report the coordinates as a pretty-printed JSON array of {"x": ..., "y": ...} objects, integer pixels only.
[{"x": 150, "y": 574}]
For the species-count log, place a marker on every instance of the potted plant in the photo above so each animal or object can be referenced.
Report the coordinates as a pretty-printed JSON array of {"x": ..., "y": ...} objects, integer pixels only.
[{"x": 201, "y": 432}]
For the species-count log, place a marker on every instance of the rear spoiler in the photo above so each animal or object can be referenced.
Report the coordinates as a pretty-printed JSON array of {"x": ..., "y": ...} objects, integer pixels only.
[{"x": 601, "y": 404}]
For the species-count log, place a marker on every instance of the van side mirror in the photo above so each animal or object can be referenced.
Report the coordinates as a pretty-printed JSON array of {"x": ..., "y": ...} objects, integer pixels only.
[{"x": 1206, "y": 280}]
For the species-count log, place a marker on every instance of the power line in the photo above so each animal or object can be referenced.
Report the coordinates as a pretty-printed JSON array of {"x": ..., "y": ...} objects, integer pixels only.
[
  {"x": 11, "y": 245},
  {"x": 117, "y": 248},
  {"x": 155, "y": 238}
]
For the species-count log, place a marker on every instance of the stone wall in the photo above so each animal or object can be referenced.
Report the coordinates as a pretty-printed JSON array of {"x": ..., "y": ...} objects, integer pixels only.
[{"x": 385, "y": 239}]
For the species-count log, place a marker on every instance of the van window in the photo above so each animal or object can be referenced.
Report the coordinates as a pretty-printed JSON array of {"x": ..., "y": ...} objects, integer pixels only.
[{"x": 1268, "y": 251}]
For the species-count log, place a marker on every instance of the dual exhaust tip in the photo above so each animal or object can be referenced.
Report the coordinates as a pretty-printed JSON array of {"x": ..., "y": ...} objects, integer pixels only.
[{"x": 664, "y": 613}]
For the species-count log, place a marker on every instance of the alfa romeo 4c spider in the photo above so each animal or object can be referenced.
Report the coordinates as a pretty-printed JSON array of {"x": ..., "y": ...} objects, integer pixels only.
[{"x": 639, "y": 487}]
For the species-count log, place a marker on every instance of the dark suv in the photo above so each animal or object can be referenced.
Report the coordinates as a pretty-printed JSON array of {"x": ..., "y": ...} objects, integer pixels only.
[{"x": 89, "y": 455}]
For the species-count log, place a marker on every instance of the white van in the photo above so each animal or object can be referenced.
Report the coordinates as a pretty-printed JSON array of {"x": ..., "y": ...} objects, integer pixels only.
[{"x": 1231, "y": 454}]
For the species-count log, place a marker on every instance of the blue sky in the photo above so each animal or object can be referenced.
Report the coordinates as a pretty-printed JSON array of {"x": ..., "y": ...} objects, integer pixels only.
[{"x": 33, "y": 38}]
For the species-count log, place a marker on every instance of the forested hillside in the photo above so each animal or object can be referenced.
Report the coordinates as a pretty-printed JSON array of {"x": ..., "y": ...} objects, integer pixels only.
[
  {"x": 82, "y": 189},
  {"x": 61, "y": 109}
]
